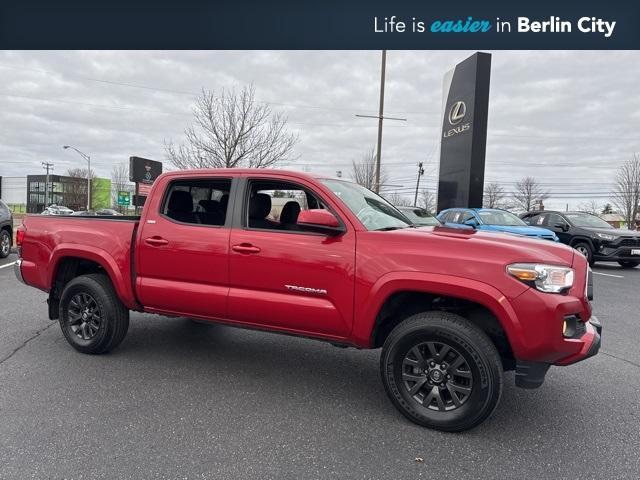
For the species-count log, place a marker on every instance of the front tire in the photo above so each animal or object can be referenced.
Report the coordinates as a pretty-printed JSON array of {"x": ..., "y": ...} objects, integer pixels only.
[
  {"x": 628, "y": 263},
  {"x": 441, "y": 371},
  {"x": 5, "y": 243},
  {"x": 92, "y": 317},
  {"x": 585, "y": 249}
]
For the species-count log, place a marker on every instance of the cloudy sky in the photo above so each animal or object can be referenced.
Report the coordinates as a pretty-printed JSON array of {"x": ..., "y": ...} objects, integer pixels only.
[{"x": 567, "y": 118}]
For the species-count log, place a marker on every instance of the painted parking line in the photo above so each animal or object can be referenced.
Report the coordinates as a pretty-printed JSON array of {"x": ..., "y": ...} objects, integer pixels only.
[
  {"x": 7, "y": 265},
  {"x": 608, "y": 274}
]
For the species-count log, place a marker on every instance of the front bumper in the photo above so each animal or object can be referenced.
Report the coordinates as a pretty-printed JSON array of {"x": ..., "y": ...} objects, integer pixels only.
[
  {"x": 531, "y": 374},
  {"x": 617, "y": 250}
]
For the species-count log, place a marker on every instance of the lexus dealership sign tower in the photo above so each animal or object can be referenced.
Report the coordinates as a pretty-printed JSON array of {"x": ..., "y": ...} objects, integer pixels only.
[{"x": 464, "y": 133}]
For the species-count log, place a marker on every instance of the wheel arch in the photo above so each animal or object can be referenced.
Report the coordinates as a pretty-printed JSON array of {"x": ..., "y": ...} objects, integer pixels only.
[
  {"x": 68, "y": 264},
  {"x": 395, "y": 299}
]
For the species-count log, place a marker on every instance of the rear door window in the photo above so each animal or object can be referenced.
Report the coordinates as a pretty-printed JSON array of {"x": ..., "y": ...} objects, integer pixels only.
[{"x": 197, "y": 201}]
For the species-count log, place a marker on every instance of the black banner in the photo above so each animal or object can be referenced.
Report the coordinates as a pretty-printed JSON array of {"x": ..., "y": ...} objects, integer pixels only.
[
  {"x": 464, "y": 133},
  {"x": 143, "y": 170},
  {"x": 330, "y": 24}
]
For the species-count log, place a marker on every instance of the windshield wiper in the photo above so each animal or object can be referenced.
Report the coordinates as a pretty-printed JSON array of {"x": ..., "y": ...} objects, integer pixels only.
[{"x": 388, "y": 229}]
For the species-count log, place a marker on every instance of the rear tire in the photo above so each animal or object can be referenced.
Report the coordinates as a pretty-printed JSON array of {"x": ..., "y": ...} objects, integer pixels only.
[
  {"x": 585, "y": 249},
  {"x": 5, "y": 243},
  {"x": 441, "y": 360},
  {"x": 92, "y": 317},
  {"x": 628, "y": 263}
]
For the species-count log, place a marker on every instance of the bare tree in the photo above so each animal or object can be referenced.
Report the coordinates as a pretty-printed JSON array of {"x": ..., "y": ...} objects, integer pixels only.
[
  {"x": 493, "y": 196},
  {"x": 626, "y": 192},
  {"x": 591, "y": 206},
  {"x": 427, "y": 200},
  {"x": 394, "y": 198},
  {"x": 76, "y": 192},
  {"x": 79, "y": 173},
  {"x": 231, "y": 131},
  {"x": 119, "y": 183},
  {"x": 529, "y": 194},
  {"x": 363, "y": 171}
]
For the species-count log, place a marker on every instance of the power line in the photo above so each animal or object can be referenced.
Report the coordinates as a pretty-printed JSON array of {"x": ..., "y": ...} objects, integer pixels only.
[
  {"x": 340, "y": 125},
  {"x": 93, "y": 105},
  {"x": 191, "y": 93}
]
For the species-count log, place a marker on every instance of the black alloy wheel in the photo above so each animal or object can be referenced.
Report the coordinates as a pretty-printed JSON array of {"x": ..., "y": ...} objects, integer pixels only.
[
  {"x": 441, "y": 371},
  {"x": 5, "y": 244},
  {"x": 437, "y": 376},
  {"x": 92, "y": 317},
  {"x": 85, "y": 317}
]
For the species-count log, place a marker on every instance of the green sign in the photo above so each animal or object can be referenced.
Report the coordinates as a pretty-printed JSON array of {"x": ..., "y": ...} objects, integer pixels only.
[{"x": 124, "y": 198}]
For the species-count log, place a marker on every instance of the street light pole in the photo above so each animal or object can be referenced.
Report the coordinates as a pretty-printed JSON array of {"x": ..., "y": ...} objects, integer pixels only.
[{"x": 88, "y": 159}]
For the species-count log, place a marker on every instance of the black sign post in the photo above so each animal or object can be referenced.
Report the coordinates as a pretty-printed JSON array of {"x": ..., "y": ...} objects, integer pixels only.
[
  {"x": 464, "y": 133},
  {"x": 145, "y": 171}
]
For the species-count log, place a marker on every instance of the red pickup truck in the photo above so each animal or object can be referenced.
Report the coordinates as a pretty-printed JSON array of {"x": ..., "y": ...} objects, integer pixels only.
[{"x": 327, "y": 259}]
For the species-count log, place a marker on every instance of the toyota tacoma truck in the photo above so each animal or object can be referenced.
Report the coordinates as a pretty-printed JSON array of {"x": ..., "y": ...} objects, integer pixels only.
[{"x": 451, "y": 309}]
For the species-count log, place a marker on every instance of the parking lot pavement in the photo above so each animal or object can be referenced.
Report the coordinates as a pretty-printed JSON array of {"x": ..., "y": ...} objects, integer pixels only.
[{"x": 184, "y": 400}]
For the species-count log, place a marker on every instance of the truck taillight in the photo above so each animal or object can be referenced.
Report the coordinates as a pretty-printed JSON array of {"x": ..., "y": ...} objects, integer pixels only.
[{"x": 20, "y": 236}]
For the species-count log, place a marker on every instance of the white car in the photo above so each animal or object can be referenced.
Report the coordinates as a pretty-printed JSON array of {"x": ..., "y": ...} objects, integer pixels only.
[{"x": 57, "y": 210}]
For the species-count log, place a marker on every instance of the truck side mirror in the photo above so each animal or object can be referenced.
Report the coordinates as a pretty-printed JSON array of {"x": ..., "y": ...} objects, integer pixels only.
[
  {"x": 472, "y": 222},
  {"x": 561, "y": 226},
  {"x": 320, "y": 220}
]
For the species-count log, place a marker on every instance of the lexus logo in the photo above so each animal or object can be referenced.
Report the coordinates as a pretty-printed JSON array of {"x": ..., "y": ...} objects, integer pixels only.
[{"x": 457, "y": 112}]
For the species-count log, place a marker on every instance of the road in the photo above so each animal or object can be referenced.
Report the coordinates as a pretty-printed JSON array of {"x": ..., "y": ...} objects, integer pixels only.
[{"x": 184, "y": 400}]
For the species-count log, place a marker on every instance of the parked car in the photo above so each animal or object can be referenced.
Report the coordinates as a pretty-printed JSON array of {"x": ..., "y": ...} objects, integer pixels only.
[
  {"x": 494, "y": 220},
  {"x": 100, "y": 213},
  {"x": 591, "y": 236},
  {"x": 451, "y": 308},
  {"x": 57, "y": 210},
  {"x": 419, "y": 216},
  {"x": 6, "y": 230}
]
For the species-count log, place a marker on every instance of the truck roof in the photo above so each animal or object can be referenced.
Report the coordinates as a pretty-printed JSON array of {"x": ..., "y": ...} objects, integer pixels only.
[{"x": 247, "y": 171}]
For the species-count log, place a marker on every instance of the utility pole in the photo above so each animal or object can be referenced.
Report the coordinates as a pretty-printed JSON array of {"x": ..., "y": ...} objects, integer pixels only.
[
  {"x": 46, "y": 166},
  {"x": 420, "y": 173},
  {"x": 383, "y": 70},
  {"x": 380, "y": 117}
]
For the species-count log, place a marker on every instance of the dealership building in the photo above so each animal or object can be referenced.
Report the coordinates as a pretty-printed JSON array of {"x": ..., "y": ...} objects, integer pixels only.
[{"x": 28, "y": 194}]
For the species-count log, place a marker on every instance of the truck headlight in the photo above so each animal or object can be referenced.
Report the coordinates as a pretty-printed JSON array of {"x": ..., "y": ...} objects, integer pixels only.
[
  {"x": 606, "y": 236},
  {"x": 546, "y": 278}
]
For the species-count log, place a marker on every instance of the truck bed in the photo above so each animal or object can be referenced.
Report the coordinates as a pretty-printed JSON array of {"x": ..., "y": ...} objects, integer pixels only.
[{"x": 106, "y": 240}]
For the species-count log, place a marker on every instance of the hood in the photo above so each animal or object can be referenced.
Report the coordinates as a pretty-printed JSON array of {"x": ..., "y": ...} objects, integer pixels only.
[
  {"x": 464, "y": 253},
  {"x": 519, "y": 230}
]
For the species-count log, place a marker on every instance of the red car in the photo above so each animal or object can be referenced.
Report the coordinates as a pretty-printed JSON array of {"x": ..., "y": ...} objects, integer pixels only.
[{"x": 327, "y": 259}]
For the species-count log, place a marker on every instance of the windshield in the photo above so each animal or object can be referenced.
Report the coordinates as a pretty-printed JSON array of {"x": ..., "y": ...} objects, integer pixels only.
[
  {"x": 372, "y": 210},
  {"x": 420, "y": 217},
  {"x": 498, "y": 217},
  {"x": 586, "y": 220}
]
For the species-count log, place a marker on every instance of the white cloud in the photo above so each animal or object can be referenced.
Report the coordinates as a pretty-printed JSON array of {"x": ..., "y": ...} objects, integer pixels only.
[{"x": 567, "y": 118}]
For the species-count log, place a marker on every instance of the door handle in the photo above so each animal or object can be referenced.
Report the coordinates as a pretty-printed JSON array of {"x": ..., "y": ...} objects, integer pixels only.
[
  {"x": 156, "y": 241},
  {"x": 245, "y": 248}
]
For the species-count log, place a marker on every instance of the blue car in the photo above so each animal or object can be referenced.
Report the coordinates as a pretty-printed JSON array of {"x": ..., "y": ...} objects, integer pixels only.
[{"x": 493, "y": 220}]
